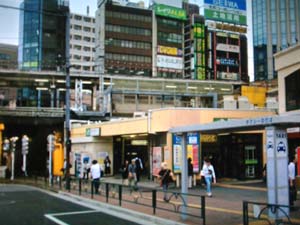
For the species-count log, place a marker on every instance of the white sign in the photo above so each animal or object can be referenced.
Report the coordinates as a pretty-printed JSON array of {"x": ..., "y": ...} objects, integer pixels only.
[
  {"x": 228, "y": 48},
  {"x": 169, "y": 62}
]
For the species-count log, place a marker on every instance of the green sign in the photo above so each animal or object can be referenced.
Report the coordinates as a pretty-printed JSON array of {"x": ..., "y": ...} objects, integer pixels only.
[
  {"x": 169, "y": 11},
  {"x": 251, "y": 161},
  {"x": 199, "y": 51},
  {"x": 225, "y": 16}
]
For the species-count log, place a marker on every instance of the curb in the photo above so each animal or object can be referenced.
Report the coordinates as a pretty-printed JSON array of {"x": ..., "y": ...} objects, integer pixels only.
[{"x": 117, "y": 211}]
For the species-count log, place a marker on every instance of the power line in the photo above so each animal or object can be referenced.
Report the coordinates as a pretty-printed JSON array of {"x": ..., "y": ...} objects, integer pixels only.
[{"x": 45, "y": 12}]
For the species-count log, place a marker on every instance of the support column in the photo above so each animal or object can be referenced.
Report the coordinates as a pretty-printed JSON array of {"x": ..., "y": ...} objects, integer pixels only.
[{"x": 277, "y": 169}]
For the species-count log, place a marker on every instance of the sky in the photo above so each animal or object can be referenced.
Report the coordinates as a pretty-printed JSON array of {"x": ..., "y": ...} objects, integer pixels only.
[{"x": 9, "y": 22}]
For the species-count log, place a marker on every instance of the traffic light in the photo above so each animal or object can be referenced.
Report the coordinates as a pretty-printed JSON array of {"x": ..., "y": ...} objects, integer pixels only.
[
  {"x": 51, "y": 142},
  {"x": 25, "y": 144}
]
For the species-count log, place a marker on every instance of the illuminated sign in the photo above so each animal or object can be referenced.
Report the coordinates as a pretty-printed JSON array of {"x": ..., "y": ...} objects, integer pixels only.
[
  {"x": 90, "y": 132},
  {"x": 224, "y": 26},
  {"x": 209, "y": 138},
  {"x": 169, "y": 11},
  {"x": 228, "y": 76}
]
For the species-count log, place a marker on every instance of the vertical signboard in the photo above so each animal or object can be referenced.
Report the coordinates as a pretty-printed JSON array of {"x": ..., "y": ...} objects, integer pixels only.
[
  {"x": 177, "y": 151},
  {"x": 199, "y": 51},
  {"x": 193, "y": 143},
  {"x": 277, "y": 170},
  {"x": 157, "y": 160},
  {"x": 193, "y": 146}
]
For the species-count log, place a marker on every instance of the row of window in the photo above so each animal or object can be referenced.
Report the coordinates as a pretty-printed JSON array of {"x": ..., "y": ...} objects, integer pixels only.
[
  {"x": 169, "y": 23},
  {"x": 128, "y": 16},
  {"x": 84, "y": 38},
  {"x": 128, "y": 30},
  {"x": 130, "y": 58},
  {"x": 84, "y": 48},
  {"x": 85, "y": 68},
  {"x": 86, "y": 19},
  {"x": 128, "y": 44},
  {"x": 83, "y": 58},
  {"x": 170, "y": 37},
  {"x": 84, "y": 28}
]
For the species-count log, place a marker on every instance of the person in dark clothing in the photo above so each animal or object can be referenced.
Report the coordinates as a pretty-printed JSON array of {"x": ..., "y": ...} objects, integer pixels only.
[
  {"x": 124, "y": 172},
  {"x": 107, "y": 164},
  {"x": 190, "y": 172},
  {"x": 139, "y": 168},
  {"x": 165, "y": 175}
]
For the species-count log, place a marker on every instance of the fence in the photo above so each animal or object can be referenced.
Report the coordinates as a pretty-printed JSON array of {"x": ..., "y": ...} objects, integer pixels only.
[{"x": 255, "y": 212}]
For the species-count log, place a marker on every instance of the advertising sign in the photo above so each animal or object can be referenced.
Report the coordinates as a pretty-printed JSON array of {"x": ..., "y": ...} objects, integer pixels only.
[
  {"x": 169, "y": 11},
  {"x": 193, "y": 143},
  {"x": 199, "y": 51},
  {"x": 224, "y": 16},
  {"x": 228, "y": 48},
  {"x": 169, "y": 50},
  {"x": 177, "y": 151},
  {"x": 232, "y": 4},
  {"x": 227, "y": 76},
  {"x": 169, "y": 62},
  {"x": 226, "y": 62},
  {"x": 157, "y": 160}
]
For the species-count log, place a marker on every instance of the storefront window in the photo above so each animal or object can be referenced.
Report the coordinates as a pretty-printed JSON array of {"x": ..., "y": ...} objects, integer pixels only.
[{"x": 292, "y": 83}]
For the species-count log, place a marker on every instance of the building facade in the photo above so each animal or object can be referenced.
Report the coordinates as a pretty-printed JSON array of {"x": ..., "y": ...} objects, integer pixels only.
[
  {"x": 42, "y": 34},
  {"x": 276, "y": 26},
  {"x": 8, "y": 56},
  {"x": 82, "y": 43}
]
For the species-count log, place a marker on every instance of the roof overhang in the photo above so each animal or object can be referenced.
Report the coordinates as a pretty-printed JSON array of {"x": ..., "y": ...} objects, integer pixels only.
[{"x": 236, "y": 125}]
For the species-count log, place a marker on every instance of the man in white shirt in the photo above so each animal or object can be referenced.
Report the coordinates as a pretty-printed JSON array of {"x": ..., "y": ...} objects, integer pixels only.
[
  {"x": 292, "y": 180},
  {"x": 96, "y": 175}
]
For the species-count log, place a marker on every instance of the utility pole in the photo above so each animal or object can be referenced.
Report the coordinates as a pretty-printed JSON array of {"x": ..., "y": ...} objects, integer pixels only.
[{"x": 67, "y": 113}]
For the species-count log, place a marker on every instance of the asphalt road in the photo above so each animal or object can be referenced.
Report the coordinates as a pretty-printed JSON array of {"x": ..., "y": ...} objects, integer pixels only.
[{"x": 22, "y": 205}]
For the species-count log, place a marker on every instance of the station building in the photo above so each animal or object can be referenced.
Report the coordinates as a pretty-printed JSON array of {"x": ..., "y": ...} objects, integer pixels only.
[{"x": 235, "y": 155}]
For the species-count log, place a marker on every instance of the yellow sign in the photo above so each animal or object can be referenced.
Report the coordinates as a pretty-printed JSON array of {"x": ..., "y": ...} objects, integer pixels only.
[
  {"x": 167, "y": 50},
  {"x": 208, "y": 138}
]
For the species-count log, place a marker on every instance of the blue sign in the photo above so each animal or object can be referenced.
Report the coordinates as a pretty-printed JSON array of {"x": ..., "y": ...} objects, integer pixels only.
[
  {"x": 232, "y": 4},
  {"x": 281, "y": 147}
]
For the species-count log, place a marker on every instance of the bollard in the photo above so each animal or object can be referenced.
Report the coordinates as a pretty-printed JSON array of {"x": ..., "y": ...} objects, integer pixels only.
[
  {"x": 203, "y": 209},
  {"x": 79, "y": 186},
  {"x": 107, "y": 192},
  {"x": 120, "y": 195},
  {"x": 92, "y": 189},
  {"x": 154, "y": 201}
]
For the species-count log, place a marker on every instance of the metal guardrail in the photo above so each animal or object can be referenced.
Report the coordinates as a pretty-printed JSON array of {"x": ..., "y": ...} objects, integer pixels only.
[
  {"x": 254, "y": 212},
  {"x": 184, "y": 205}
]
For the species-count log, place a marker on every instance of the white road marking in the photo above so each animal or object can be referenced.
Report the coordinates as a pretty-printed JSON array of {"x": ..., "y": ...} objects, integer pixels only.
[
  {"x": 55, "y": 220},
  {"x": 53, "y": 216}
]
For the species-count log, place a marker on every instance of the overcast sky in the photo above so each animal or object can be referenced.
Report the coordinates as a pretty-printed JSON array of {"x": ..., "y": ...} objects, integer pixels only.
[{"x": 9, "y": 22}]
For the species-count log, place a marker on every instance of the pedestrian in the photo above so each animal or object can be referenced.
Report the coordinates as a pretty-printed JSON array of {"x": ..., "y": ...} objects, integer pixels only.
[
  {"x": 209, "y": 175},
  {"x": 165, "y": 176},
  {"x": 139, "y": 168},
  {"x": 124, "y": 172},
  {"x": 292, "y": 180},
  {"x": 96, "y": 175},
  {"x": 132, "y": 179},
  {"x": 190, "y": 172},
  {"x": 86, "y": 169},
  {"x": 107, "y": 165}
]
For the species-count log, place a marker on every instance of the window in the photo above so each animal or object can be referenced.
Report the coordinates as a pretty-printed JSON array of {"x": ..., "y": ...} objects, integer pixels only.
[
  {"x": 292, "y": 83},
  {"x": 87, "y": 29}
]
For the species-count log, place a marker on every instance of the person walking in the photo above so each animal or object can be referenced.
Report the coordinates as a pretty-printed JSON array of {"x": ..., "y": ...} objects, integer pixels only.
[
  {"x": 139, "y": 168},
  {"x": 132, "y": 179},
  {"x": 190, "y": 172},
  {"x": 124, "y": 172},
  {"x": 107, "y": 165},
  {"x": 209, "y": 175},
  {"x": 292, "y": 180},
  {"x": 86, "y": 169},
  {"x": 165, "y": 175},
  {"x": 96, "y": 175}
]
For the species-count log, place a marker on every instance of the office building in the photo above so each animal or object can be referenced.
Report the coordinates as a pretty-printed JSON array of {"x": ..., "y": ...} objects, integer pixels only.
[
  {"x": 276, "y": 26},
  {"x": 42, "y": 34},
  {"x": 82, "y": 43},
  {"x": 8, "y": 56}
]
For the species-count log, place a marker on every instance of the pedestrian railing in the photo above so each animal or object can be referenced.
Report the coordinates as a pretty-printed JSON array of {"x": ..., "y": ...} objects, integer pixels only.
[
  {"x": 255, "y": 212},
  {"x": 186, "y": 205}
]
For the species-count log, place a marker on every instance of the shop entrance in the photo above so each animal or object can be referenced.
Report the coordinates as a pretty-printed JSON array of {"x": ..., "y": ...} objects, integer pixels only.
[{"x": 128, "y": 148}]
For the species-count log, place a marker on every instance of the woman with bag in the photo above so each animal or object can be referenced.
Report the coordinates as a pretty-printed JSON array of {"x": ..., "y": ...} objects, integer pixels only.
[{"x": 165, "y": 175}]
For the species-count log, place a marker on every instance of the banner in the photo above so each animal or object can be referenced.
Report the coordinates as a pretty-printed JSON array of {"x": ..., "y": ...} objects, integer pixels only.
[{"x": 157, "y": 160}]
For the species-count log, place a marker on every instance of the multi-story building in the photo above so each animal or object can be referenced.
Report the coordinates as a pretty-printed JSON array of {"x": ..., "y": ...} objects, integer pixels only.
[
  {"x": 42, "y": 34},
  {"x": 82, "y": 43},
  {"x": 227, "y": 57},
  {"x": 276, "y": 26},
  {"x": 8, "y": 56}
]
